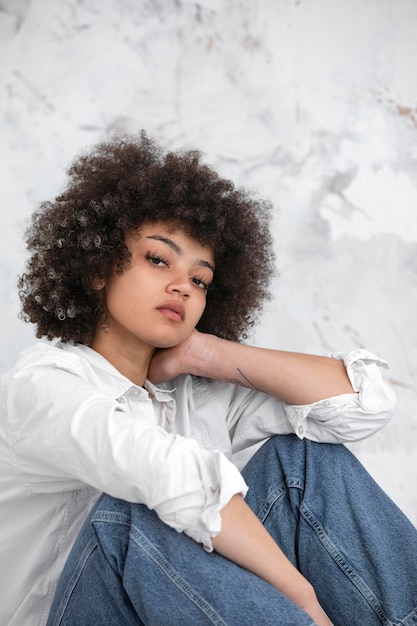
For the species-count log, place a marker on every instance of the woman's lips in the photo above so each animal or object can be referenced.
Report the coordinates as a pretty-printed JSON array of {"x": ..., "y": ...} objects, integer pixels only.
[{"x": 173, "y": 311}]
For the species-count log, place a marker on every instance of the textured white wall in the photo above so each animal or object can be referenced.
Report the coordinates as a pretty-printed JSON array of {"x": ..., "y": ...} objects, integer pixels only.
[{"x": 312, "y": 103}]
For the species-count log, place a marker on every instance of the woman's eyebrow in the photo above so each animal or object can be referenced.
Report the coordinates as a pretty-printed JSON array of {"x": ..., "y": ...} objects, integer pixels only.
[
  {"x": 204, "y": 263},
  {"x": 174, "y": 246},
  {"x": 169, "y": 242}
]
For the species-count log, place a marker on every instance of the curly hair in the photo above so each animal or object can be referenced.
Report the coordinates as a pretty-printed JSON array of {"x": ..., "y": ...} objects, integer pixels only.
[{"x": 78, "y": 238}]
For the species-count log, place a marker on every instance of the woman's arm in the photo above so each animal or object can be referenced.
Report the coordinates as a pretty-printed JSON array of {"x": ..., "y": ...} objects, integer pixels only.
[
  {"x": 244, "y": 540},
  {"x": 293, "y": 377}
]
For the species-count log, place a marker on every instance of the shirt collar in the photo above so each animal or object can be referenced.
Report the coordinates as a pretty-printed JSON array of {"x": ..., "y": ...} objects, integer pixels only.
[{"x": 110, "y": 380}]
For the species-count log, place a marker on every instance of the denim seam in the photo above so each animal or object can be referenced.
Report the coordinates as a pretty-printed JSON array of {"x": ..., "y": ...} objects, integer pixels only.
[
  {"x": 111, "y": 516},
  {"x": 175, "y": 577},
  {"x": 163, "y": 564},
  {"x": 409, "y": 620},
  {"x": 275, "y": 494},
  {"x": 344, "y": 566},
  {"x": 90, "y": 547}
]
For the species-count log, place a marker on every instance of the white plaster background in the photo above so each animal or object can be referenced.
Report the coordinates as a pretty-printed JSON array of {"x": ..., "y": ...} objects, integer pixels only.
[{"x": 312, "y": 103}]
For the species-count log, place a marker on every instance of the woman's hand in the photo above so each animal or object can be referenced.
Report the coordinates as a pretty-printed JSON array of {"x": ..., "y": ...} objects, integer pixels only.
[
  {"x": 317, "y": 614},
  {"x": 168, "y": 363}
]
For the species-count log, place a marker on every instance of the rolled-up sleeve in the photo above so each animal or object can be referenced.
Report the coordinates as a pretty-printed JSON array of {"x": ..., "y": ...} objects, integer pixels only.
[
  {"x": 348, "y": 417},
  {"x": 65, "y": 434}
]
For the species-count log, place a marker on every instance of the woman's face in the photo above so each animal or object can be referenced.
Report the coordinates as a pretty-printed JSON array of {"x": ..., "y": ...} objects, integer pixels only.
[{"x": 159, "y": 299}]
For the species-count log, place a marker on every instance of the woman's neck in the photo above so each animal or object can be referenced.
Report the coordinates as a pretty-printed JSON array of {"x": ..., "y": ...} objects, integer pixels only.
[{"x": 132, "y": 362}]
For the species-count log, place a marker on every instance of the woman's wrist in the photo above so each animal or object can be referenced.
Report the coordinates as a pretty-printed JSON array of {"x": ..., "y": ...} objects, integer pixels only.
[{"x": 203, "y": 356}]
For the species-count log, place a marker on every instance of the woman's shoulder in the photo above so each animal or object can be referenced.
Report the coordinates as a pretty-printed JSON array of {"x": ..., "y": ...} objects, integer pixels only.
[
  {"x": 45, "y": 356},
  {"x": 44, "y": 351}
]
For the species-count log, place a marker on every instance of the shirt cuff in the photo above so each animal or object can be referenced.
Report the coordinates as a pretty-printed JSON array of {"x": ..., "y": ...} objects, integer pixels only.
[
  {"x": 364, "y": 372},
  {"x": 229, "y": 483},
  {"x": 348, "y": 417}
]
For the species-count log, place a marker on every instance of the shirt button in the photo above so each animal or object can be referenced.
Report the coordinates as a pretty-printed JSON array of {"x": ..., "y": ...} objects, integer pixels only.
[
  {"x": 326, "y": 403},
  {"x": 135, "y": 391},
  {"x": 300, "y": 430},
  {"x": 122, "y": 399}
]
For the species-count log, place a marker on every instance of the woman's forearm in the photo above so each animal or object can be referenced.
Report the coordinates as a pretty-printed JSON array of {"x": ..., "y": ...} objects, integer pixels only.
[
  {"x": 293, "y": 377},
  {"x": 245, "y": 541}
]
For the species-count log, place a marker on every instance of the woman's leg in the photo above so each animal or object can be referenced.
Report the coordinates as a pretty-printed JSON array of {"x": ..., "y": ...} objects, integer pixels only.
[
  {"x": 339, "y": 528},
  {"x": 128, "y": 568}
]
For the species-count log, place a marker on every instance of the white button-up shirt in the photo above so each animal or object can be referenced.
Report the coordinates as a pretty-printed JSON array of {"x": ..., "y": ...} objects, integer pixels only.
[{"x": 71, "y": 427}]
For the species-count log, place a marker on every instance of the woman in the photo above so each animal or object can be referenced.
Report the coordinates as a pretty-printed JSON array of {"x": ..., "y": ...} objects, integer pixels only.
[{"x": 146, "y": 272}]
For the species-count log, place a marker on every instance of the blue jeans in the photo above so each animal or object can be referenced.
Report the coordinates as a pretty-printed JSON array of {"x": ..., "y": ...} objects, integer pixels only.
[{"x": 321, "y": 506}]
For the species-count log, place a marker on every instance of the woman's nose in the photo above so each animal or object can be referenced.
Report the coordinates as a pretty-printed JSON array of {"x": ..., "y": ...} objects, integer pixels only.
[{"x": 180, "y": 285}]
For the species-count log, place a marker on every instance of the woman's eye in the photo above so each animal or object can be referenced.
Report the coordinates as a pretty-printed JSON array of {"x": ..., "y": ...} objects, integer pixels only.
[
  {"x": 156, "y": 260},
  {"x": 201, "y": 283}
]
